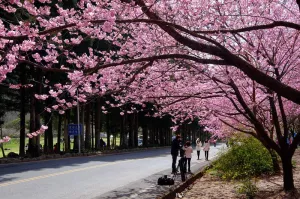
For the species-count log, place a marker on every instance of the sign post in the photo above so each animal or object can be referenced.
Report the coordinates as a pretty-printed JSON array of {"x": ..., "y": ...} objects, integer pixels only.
[{"x": 75, "y": 130}]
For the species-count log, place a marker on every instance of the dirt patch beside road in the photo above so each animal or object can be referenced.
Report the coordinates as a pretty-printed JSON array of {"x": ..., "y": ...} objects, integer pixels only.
[{"x": 269, "y": 187}]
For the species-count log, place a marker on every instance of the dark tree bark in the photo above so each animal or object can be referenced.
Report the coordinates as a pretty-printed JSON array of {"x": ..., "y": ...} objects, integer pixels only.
[
  {"x": 38, "y": 108},
  {"x": 31, "y": 148},
  {"x": 66, "y": 135},
  {"x": 88, "y": 126},
  {"x": 288, "y": 180},
  {"x": 59, "y": 132},
  {"x": 130, "y": 131},
  {"x": 135, "y": 130},
  {"x": 22, "y": 115},
  {"x": 81, "y": 121},
  {"x": 92, "y": 146},
  {"x": 145, "y": 136},
  {"x": 37, "y": 127},
  {"x": 97, "y": 124},
  {"x": 151, "y": 135},
  {"x": 161, "y": 136},
  {"x": 46, "y": 146},
  {"x": 50, "y": 135},
  {"x": 123, "y": 131},
  {"x": 108, "y": 130}
]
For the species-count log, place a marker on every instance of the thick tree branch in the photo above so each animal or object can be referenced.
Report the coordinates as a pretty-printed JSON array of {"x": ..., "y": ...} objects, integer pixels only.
[
  {"x": 241, "y": 130},
  {"x": 154, "y": 58},
  {"x": 276, "y": 121},
  {"x": 251, "y": 71},
  {"x": 251, "y": 28},
  {"x": 263, "y": 136},
  {"x": 283, "y": 115}
]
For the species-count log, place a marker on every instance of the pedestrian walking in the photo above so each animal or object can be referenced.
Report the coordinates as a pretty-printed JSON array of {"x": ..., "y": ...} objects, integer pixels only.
[
  {"x": 188, "y": 154},
  {"x": 198, "y": 147},
  {"x": 215, "y": 142},
  {"x": 175, "y": 147},
  {"x": 206, "y": 149}
]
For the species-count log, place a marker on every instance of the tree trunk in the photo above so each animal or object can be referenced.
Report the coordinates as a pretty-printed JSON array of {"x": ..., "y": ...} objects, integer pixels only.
[
  {"x": 50, "y": 135},
  {"x": 1, "y": 145},
  {"x": 130, "y": 129},
  {"x": 92, "y": 128},
  {"x": 3, "y": 154},
  {"x": 122, "y": 132},
  {"x": 31, "y": 147},
  {"x": 46, "y": 147},
  {"x": 274, "y": 160},
  {"x": 108, "y": 130},
  {"x": 66, "y": 135},
  {"x": 161, "y": 136},
  {"x": 37, "y": 127},
  {"x": 59, "y": 133},
  {"x": 136, "y": 129},
  {"x": 97, "y": 124},
  {"x": 151, "y": 135},
  {"x": 38, "y": 109},
  {"x": 88, "y": 126},
  {"x": 288, "y": 180},
  {"x": 145, "y": 136},
  {"x": 22, "y": 116},
  {"x": 81, "y": 121}
]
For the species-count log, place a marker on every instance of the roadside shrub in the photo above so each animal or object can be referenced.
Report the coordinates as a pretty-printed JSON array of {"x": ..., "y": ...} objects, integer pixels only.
[
  {"x": 245, "y": 158},
  {"x": 248, "y": 188}
]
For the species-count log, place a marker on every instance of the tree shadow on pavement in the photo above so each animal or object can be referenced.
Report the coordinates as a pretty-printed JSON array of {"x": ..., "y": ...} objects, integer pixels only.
[
  {"x": 67, "y": 163},
  {"x": 146, "y": 188}
]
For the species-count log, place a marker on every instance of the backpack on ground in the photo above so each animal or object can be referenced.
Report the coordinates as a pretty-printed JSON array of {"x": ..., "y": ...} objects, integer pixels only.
[{"x": 165, "y": 180}]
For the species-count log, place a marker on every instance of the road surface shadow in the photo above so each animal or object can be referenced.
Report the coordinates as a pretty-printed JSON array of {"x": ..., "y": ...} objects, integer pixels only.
[
  {"x": 4, "y": 180},
  {"x": 79, "y": 161},
  {"x": 145, "y": 188}
]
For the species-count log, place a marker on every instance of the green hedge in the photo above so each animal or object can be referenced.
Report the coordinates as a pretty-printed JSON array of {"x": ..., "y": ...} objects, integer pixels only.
[{"x": 246, "y": 157}]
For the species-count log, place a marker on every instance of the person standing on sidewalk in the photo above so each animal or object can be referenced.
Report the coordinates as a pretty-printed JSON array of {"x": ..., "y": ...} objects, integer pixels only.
[
  {"x": 198, "y": 147},
  {"x": 215, "y": 142},
  {"x": 206, "y": 149},
  {"x": 188, "y": 154},
  {"x": 174, "y": 152}
]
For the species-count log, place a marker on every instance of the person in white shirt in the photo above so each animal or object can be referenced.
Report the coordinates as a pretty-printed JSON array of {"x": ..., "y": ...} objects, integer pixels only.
[
  {"x": 188, "y": 154},
  {"x": 206, "y": 149},
  {"x": 198, "y": 147}
]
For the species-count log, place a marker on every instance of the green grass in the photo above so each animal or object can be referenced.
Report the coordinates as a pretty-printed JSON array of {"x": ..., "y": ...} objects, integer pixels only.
[{"x": 13, "y": 144}]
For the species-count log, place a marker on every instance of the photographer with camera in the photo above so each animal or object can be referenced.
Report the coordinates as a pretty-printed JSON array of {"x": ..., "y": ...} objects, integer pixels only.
[{"x": 175, "y": 147}]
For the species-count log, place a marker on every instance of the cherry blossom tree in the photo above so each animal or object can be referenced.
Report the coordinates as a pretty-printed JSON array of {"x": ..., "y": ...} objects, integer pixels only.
[{"x": 233, "y": 64}]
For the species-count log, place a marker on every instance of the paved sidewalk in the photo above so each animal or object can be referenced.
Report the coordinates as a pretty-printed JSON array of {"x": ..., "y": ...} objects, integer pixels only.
[{"x": 147, "y": 188}]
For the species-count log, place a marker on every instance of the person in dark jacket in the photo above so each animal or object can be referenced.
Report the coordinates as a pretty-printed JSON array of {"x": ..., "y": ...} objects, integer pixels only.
[{"x": 174, "y": 152}]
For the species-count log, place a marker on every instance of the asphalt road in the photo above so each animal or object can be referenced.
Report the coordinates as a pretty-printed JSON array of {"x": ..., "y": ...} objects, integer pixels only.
[{"x": 130, "y": 175}]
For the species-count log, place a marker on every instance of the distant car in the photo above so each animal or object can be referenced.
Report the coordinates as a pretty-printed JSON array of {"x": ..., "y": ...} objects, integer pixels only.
[{"x": 140, "y": 142}]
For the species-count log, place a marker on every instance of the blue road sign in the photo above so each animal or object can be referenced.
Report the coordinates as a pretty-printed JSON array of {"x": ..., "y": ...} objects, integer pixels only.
[{"x": 73, "y": 129}]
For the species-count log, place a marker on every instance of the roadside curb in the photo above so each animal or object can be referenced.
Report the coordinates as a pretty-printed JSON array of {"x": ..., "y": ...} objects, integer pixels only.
[
  {"x": 182, "y": 186},
  {"x": 59, "y": 157}
]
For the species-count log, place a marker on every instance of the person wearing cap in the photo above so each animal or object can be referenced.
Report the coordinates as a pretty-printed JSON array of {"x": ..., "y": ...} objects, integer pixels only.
[{"x": 175, "y": 147}]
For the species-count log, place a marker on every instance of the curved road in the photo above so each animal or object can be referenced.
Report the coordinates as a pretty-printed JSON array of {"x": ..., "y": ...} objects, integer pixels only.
[{"x": 130, "y": 175}]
